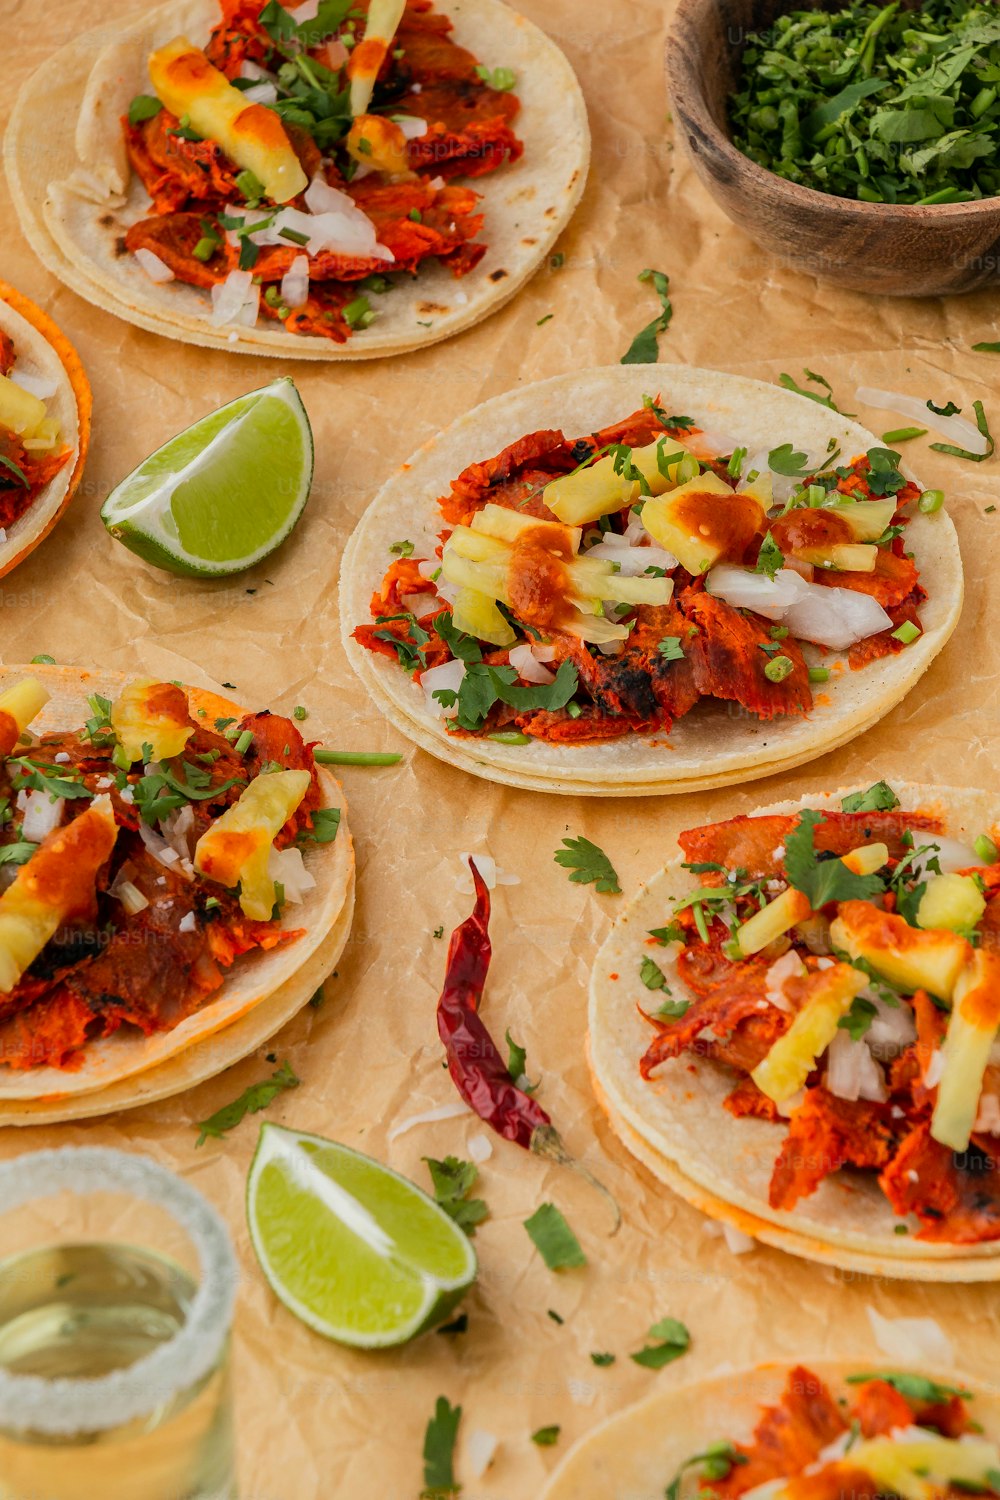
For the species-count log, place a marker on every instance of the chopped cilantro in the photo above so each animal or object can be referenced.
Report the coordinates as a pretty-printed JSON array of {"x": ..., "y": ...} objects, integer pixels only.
[
  {"x": 670, "y": 1340},
  {"x": 517, "y": 1065},
  {"x": 670, "y": 648},
  {"x": 439, "y": 1451},
  {"x": 859, "y": 1018},
  {"x": 653, "y": 976},
  {"x": 823, "y": 880},
  {"x": 253, "y": 1099},
  {"x": 501, "y": 79},
  {"x": 545, "y": 1437},
  {"x": 143, "y": 107},
  {"x": 602, "y": 1360},
  {"x": 553, "y": 1239},
  {"x": 788, "y": 461},
  {"x": 453, "y": 1181},
  {"x": 589, "y": 865},
  {"x": 644, "y": 349},
  {"x": 878, "y": 798}
]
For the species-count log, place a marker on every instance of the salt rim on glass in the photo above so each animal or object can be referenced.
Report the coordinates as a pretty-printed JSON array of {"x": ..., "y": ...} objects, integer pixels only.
[{"x": 67, "y": 1406}]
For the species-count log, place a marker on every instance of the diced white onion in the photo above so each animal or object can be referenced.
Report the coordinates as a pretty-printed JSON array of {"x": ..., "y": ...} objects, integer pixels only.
[
  {"x": 632, "y": 559},
  {"x": 837, "y": 618},
  {"x": 177, "y": 828},
  {"x": 852, "y": 1072},
  {"x": 233, "y": 298},
  {"x": 950, "y": 854},
  {"x": 42, "y": 816},
  {"x": 480, "y": 1148},
  {"x": 934, "y": 1071},
  {"x": 839, "y": 1447},
  {"x": 307, "y": 11},
  {"x": 42, "y": 386},
  {"x": 261, "y": 93},
  {"x": 295, "y": 283},
  {"x": 988, "y": 1118},
  {"x": 254, "y": 70},
  {"x": 480, "y": 1451},
  {"x": 522, "y": 658},
  {"x": 411, "y": 126},
  {"x": 449, "y": 1111},
  {"x": 446, "y": 678},
  {"x": 737, "y": 1242},
  {"x": 62, "y": 759},
  {"x": 286, "y": 866},
  {"x": 915, "y": 1341},
  {"x": 788, "y": 966},
  {"x": 155, "y": 268},
  {"x": 129, "y": 895},
  {"x": 488, "y": 869},
  {"x": 188, "y": 923},
  {"x": 708, "y": 445},
  {"x": 422, "y": 604},
  {"x": 892, "y": 1028},
  {"x": 745, "y": 589},
  {"x": 958, "y": 430},
  {"x": 334, "y": 222},
  {"x": 163, "y": 853}
]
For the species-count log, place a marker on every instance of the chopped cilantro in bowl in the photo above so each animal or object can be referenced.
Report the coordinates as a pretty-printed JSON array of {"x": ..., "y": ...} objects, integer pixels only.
[{"x": 876, "y": 102}]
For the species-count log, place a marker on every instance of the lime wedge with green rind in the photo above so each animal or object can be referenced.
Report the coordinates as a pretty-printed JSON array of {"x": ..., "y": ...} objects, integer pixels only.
[
  {"x": 223, "y": 494},
  {"x": 357, "y": 1252}
]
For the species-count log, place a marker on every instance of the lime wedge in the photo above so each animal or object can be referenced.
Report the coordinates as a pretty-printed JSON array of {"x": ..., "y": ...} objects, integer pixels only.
[
  {"x": 222, "y": 494},
  {"x": 350, "y": 1247}
]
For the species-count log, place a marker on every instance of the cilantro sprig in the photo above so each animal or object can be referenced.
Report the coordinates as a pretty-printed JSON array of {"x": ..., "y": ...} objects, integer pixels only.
[
  {"x": 453, "y": 1181},
  {"x": 589, "y": 865},
  {"x": 253, "y": 1099},
  {"x": 823, "y": 879},
  {"x": 644, "y": 348}
]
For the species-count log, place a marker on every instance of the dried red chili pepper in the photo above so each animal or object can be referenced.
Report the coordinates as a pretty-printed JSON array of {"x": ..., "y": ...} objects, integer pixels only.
[{"x": 475, "y": 1062}]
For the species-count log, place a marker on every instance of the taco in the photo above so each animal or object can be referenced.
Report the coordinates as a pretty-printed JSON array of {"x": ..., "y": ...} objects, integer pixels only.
[
  {"x": 646, "y": 579},
  {"x": 330, "y": 181},
  {"x": 798, "y": 1021},
  {"x": 828, "y": 1431},
  {"x": 45, "y": 408},
  {"x": 169, "y": 864}
]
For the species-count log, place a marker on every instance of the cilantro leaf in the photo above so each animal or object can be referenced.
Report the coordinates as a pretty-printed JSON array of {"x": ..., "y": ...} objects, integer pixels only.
[
  {"x": 948, "y": 410},
  {"x": 325, "y": 827},
  {"x": 143, "y": 107},
  {"x": 553, "y": 1239},
  {"x": 913, "y": 1387},
  {"x": 670, "y": 648},
  {"x": 770, "y": 558},
  {"x": 453, "y": 1181},
  {"x": 589, "y": 865},
  {"x": 545, "y": 1437},
  {"x": 40, "y": 776},
  {"x": 823, "y": 880},
  {"x": 602, "y": 1359},
  {"x": 16, "y": 854},
  {"x": 716, "y": 1462},
  {"x": 483, "y": 686},
  {"x": 653, "y": 976},
  {"x": 827, "y": 400},
  {"x": 788, "y": 461},
  {"x": 858, "y": 1019},
  {"x": 253, "y": 1099},
  {"x": 439, "y": 1451},
  {"x": 517, "y": 1065},
  {"x": 402, "y": 549},
  {"x": 984, "y": 428},
  {"x": 672, "y": 933},
  {"x": 878, "y": 798},
  {"x": 461, "y": 646},
  {"x": 673, "y": 1010},
  {"x": 672, "y": 1340},
  {"x": 644, "y": 349}
]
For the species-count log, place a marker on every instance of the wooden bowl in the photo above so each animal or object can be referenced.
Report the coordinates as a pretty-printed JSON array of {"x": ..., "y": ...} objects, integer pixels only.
[{"x": 895, "y": 249}]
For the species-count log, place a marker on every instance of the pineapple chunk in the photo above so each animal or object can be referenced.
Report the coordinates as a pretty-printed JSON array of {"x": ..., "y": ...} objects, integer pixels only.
[
  {"x": 908, "y": 1466},
  {"x": 251, "y": 134},
  {"x": 846, "y": 557},
  {"x": 18, "y": 706},
  {"x": 57, "y": 883},
  {"x": 368, "y": 56},
  {"x": 905, "y": 956},
  {"x": 377, "y": 142},
  {"x": 951, "y": 902},
  {"x": 774, "y": 919},
  {"x": 477, "y": 615},
  {"x": 237, "y": 848},
  {"x": 44, "y": 438},
  {"x": 503, "y": 555},
  {"x": 587, "y": 494},
  {"x": 972, "y": 1030},
  {"x": 792, "y": 1058},
  {"x": 508, "y": 525},
  {"x": 151, "y": 714},
  {"x": 791, "y": 907},
  {"x": 704, "y": 522},
  {"x": 868, "y": 519},
  {"x": 20, "y": 411}
]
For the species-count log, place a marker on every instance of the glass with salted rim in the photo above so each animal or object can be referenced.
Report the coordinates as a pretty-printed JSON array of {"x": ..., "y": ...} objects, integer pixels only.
[{"x": 114, "y": 1360}]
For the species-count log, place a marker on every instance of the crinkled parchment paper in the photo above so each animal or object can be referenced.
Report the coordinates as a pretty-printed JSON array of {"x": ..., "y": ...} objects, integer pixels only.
[{"x": 316, "y": 1420}]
